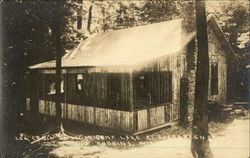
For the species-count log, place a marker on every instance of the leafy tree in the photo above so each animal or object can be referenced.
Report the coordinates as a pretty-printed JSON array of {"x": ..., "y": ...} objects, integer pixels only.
[
  {"x": 102, "y": 15},
  {"x": 186, "y": 11},
  {"x": 128, "y": 15},
  {"x": 29, "y": 38},
  {"x": 111, "y": 15},
  {"x": 234, "y": 20},
  {"x": 154, "y": 11},
  {"x": 115, "y": 14},
  {"x": 33, "y": 21}
]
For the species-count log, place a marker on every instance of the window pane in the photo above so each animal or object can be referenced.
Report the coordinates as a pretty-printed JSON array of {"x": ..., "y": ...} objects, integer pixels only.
[{"x": 214, "y": 79}]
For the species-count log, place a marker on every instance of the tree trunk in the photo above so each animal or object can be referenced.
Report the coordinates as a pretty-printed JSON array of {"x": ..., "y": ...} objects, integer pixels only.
[
  {"x": 12, "y": 102},
  {"x": 200, "y": 143},
  {"x": 58, "y": 80},
  {"x": 57, "y": 28},
  {"x": 89, "y": 18}
]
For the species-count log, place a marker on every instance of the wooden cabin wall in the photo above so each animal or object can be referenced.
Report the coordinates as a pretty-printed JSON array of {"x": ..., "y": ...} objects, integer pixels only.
[
  {"x": 92, "y": 104},
  {"x": 95, "y": 90},
  {"x": 95, "y": 111},
  {"x": 155, "y": 116},
  {"x": 167, "y": 112},
  {"x": 152, "y": 89},
  {"x": 116, "y": 120},
  {"x": 174, "y": 63},
  {"x": 217, "y": 56}
]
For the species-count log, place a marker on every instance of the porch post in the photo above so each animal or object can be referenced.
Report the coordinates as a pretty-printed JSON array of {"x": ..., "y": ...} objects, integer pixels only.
[
  {"x": 131, "y": 101},
  {"x": 132, "y": 106}
]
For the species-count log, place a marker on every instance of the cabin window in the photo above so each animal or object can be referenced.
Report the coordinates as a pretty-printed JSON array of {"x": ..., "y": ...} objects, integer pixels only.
[
  {"x": 114, "y": 89},
  {"x": 50, "y": 84},
  {"x": 79, "y": 80},
  {"x": 79, "y": 22},
  {"x": 51, "y": 87},
  {"x": 62, "y": 86},
  {"x": 214, "y": 79},
  {"x": 152, "y": 88}
]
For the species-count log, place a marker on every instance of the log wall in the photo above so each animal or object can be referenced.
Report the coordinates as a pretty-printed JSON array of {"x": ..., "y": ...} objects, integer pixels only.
[
  {"x": 175, "y": 63},
  {"x": 121, "y": 121},
  {"x": 94, "y": 112},
  {"x": 95, "y": 90},
  {"x": 130, "y": 121},
  {"x": 156, "y": 116},
  {"x": 117, "y": 120},
  {"x": 217, "y": 55}
]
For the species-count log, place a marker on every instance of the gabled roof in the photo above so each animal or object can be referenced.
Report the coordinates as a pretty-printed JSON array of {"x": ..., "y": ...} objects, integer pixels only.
[
  {"x": 135, "y": 45},
  {"x": 127, "y": 46}
]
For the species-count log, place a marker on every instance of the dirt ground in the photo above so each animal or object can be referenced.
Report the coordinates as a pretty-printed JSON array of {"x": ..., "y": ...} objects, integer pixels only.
[{"x": 228, "y": 139}]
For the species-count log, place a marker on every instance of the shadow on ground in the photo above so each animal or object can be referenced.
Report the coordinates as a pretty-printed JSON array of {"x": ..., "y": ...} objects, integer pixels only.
[{"x": 220, "y": 117}]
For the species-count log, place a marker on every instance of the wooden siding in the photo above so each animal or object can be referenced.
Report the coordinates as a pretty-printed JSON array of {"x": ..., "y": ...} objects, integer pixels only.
[
  {"x": 155, "y": 116},
  {"x": 95, "y": 90},
  {"x": 108, "y": 118},
  {"x": 91, "y": 105},
  {"x": 176, "y": 64},
  {"x": 112, "y": 119},
  {"x": 153, "y": 90},
  {"x": 217, "y": 55},
  {"x": 96, "y": 109}
]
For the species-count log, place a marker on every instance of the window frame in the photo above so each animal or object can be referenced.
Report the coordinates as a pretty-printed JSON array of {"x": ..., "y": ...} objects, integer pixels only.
[{"x": 214, "y": 80}]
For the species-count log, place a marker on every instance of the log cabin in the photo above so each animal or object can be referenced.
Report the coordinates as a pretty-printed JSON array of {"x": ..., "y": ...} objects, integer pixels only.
[{"x": 132, "y": 80}]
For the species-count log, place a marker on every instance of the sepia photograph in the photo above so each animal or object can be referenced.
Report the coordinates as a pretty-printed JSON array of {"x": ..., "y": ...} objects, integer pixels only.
[{"x": 124, "y": 78}]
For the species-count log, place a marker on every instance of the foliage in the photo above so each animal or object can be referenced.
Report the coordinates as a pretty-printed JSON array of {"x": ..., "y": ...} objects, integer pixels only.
[
  {"x": 38, "y": 17},
  {"x": 115, "y": 14},
  {"x": 187, "y": 12},
  {"x": 127, "y": 15},
  {"x": 234, "y": 20},
  {"x": 157, "y": 11},
  {"x": 28, "y": 29},
  {"x": 107, "y": 12},
  {"x": 30, "y": 25}
]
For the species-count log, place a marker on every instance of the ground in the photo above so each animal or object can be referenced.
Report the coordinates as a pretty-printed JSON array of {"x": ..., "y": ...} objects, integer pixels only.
[{"x": 229, "y": 138}]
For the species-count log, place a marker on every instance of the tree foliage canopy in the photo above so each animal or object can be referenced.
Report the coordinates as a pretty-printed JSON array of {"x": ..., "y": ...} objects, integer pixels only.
[
  {"x": 233, "y": 18},
  {"x": 33, "y": 34},
  {"x": 30, "y": 25}
]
